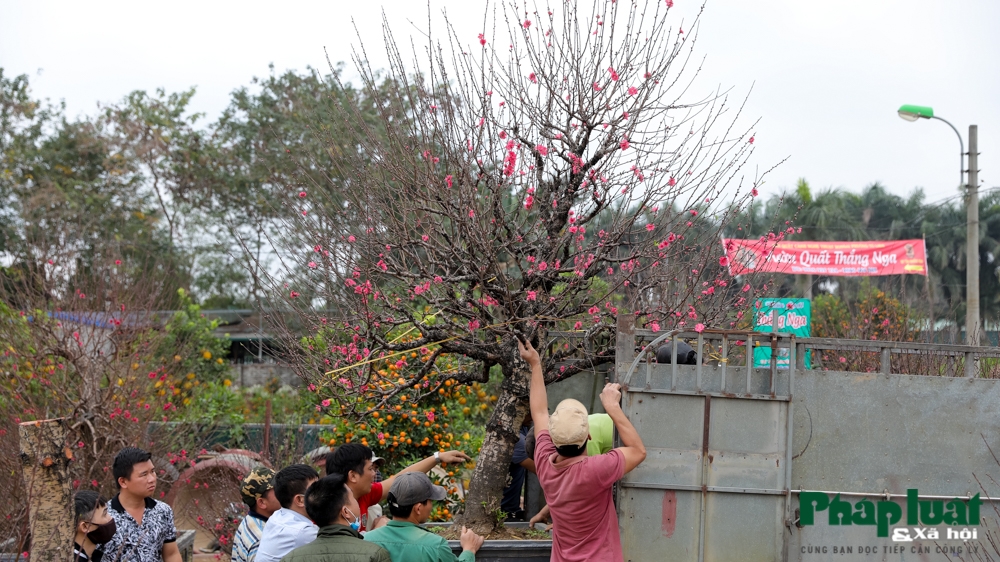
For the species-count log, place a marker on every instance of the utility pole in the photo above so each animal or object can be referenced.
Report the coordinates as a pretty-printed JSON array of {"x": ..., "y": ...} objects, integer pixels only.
[
  {"x": 973, "y": 329},
  {"x": 972, "y": 324}
]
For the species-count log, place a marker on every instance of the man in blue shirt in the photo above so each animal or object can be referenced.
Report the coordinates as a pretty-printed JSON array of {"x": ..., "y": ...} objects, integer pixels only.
[{"x": 289, "y": 527}]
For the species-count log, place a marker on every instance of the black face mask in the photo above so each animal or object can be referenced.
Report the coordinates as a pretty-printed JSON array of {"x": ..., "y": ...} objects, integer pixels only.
[{"x": 103, "y": 533}]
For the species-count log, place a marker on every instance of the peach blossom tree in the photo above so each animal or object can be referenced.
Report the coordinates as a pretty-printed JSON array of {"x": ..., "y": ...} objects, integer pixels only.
[{"x": 547, "y": 175}]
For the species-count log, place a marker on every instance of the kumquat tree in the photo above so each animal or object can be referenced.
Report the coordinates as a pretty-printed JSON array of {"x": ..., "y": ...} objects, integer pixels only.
[
  {"x": 549, "y": 177},
  {"x": 404, "y": 429}
]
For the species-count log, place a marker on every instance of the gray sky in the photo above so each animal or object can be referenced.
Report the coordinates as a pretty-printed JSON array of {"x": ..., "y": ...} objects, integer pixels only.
[{"x": 827, "y": 77}]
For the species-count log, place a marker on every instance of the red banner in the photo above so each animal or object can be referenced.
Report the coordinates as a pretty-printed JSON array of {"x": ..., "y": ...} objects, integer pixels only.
[{"x": 843, "y": 259}]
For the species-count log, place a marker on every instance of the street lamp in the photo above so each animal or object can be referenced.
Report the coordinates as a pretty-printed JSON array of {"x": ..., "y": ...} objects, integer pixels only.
[{"x": 913, "y": 113}]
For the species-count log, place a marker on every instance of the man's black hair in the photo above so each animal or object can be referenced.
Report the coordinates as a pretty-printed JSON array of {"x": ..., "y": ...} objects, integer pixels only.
[
  {"x": 125, "y": 460},
  {"x": 400, "y": 511},
  {"x": 85, "y": 503},
  {"x": 570, "y": 451},
  {"x": 326, "y": 498},
  {"x": 348, "y": 457},
  {"x": 292, "y": 481}
]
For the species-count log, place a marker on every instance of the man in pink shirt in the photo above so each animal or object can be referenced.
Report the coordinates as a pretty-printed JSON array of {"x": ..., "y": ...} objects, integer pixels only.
[{"x": 578, "y": 487}]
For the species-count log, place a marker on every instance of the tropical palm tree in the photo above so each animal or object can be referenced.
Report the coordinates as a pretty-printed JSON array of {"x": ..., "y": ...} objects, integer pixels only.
[{"x": 830, "y": 215}]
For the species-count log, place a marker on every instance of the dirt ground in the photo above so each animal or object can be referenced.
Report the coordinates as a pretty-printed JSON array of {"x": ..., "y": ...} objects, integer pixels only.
[
  {"x": 201, "y": 540},
  {"x": 503, "y": 533}
]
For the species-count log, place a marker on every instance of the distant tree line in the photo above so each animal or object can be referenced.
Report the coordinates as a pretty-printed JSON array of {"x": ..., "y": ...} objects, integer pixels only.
[
  {"x": 877, "y": 214},
  {"x": 201, "y": 204}
]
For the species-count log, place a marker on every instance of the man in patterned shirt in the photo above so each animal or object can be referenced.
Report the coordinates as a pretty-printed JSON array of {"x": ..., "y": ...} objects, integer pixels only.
[
  {"x": 258, "y": 494},
  {"x": 145, "y": 527}
]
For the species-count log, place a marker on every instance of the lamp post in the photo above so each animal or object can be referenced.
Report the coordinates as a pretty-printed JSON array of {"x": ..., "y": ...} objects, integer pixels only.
[{"x": 913, "y": 113}]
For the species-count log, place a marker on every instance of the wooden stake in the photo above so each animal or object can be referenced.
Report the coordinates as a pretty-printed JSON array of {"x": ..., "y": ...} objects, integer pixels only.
[{"x": 45, "y": 459}]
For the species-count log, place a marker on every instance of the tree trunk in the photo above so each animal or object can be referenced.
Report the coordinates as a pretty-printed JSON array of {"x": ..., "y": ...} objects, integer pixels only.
[
  {"x": 45, "y": 458},
  {"x": 482, "y": 502}
]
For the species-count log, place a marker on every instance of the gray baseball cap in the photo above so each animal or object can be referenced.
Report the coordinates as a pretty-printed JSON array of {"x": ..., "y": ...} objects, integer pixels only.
[{"x": 411, "y": 488}]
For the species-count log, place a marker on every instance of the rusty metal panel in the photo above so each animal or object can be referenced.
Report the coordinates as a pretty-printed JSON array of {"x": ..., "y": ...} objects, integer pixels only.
[
  {"x": 672, "y": 457},
  {"x": 715, "y": 483},
  {"x": 659, "y": 524},
  {"x": 871, "y": 433},
  {"x": 742, "y": 527},
  {"x": 747, "y": 444},
  {"x": 715, "y": 465}
]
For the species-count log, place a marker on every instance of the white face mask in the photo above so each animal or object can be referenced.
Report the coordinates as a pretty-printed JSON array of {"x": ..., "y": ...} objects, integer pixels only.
[{"x": 356, "y": 524}]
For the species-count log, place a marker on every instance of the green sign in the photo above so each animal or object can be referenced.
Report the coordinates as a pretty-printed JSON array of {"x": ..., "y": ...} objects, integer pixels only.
[{"x": 794, "y": 317}]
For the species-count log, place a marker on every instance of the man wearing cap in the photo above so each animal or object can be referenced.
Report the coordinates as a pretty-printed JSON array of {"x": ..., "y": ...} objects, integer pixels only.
[
  {"x": 411, "y": 500},
  {"x": 578, "y": 487},
  {"x": 258, "y": 494},
  {"x": 602, "y": 440},
  {"x": 357, "y": 463}
]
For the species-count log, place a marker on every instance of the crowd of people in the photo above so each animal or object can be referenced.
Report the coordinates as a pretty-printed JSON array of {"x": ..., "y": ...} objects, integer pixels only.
[{"x": 296, "y": 515}]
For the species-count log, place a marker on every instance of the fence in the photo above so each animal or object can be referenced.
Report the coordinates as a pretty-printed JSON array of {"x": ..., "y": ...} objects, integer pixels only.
[{"x": 730, "y": 447}]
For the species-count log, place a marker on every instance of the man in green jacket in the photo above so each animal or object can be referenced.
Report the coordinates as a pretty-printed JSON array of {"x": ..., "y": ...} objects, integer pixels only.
[
  {"x": 411, "y": 500},
  {"x": 332, "y": 506}
]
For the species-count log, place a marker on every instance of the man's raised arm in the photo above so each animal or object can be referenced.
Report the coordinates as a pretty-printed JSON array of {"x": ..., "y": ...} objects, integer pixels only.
[
  {"x": 539, "y": 400},
  {"x": 634, "y": 450}
]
